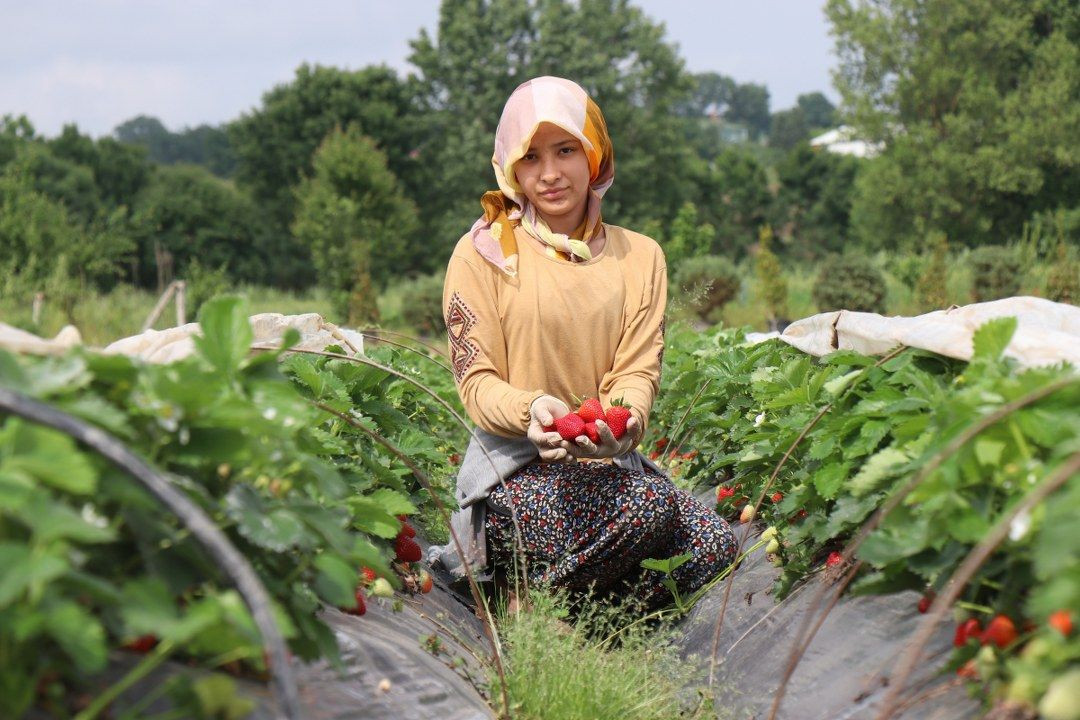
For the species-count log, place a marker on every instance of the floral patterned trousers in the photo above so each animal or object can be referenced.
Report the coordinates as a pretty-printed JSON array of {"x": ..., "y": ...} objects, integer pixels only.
[{"x": 591, "y": 524}]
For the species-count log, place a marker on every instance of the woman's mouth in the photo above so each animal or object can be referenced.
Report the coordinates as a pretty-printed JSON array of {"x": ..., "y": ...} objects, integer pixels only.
[{"x": 553, "y": 194}]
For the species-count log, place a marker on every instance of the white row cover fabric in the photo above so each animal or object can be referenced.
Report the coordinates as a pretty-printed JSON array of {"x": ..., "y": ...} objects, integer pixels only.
[
  {"x": 164, "y": 346},
  {"x": 1047, "y": 332},
  {"x": 21, "y": 341}
]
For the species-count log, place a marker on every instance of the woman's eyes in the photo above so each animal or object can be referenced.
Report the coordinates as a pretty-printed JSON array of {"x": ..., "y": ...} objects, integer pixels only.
[{"x": 565, "y": 150}]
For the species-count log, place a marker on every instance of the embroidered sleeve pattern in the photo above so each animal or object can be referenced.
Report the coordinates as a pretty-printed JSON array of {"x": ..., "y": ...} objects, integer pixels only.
[{"x": 460, "y": 320}]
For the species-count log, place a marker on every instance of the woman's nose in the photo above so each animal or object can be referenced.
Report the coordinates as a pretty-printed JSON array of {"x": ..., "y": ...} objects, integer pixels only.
[{"x": 549, "y": 170}]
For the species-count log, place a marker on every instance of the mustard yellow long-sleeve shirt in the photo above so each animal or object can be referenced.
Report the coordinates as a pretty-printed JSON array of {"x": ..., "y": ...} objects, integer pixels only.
[{"x": 592, "y": 328}]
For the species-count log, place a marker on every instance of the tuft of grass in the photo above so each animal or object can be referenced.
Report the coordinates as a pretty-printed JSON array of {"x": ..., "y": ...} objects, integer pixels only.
[{"x": 559, "y": 671}]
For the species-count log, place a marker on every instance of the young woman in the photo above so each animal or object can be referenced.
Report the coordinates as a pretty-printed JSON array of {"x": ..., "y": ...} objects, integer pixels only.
[{"x": 544, "y": 300}]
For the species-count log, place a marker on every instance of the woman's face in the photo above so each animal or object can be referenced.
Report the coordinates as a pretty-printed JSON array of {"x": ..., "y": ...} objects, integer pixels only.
[{"x": 554, "y": 175}]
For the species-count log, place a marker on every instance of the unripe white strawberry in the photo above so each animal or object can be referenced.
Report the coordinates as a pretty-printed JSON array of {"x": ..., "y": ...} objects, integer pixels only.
[
  {"x": 773, "y": 546},
  {"x": 1062, "y": 698},
  {"x": 382, "y": 588},
  {"x": 770, "y": 533},
  {"x": 747, "y": 514}
]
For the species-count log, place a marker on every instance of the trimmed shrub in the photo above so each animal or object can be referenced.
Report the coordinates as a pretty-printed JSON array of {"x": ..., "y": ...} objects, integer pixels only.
[
  {"x": 1063, "y": 282},
  {"x": 709, "y": 282},
  {"x": 423, "y": 309},
  {"x": 995, "y": 273},
  {"x": 849, "y": 282}
]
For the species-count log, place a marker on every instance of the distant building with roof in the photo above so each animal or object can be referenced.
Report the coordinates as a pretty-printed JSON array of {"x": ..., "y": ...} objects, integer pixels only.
[{"x": 842, "y": 141}]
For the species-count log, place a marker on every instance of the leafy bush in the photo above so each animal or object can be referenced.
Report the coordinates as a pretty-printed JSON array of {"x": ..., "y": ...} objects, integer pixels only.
[
  {"x": 1063, "y": 283},
  {"x": 710, "y": 282},
  {"x": 423, "y": 309},
  {"x": 771, "y": 282},
  {"x": 995, "y": 273},
  {"x": 931, "y": 288},
  {"x": 849, "y": 282}
]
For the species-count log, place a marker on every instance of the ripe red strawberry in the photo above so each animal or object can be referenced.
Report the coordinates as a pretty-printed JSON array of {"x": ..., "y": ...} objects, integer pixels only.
[
  {"x": 406, "y": 549},
  {"x": 570, "y": 426},
  {"x": 661, "y": 443},
  {"x": 591, "y": 432},
  {"x": 591, "y": 410},
  {"x": 777, "y": 497},
  {"x": 361, "y": 603},
  {"x": 1001, "y": 631},
  {"x": 926, "y": 601},
  {"x": 407, "y": 530},
  {"x": 1061, "y": 621},
  {"x": 834, "y": 559},
  {"x": 654, "y": 454},
  {"x": 616, "y": 417},
  {"x": 455, "y": 459},
  {"x": 724, "y": 493},
  {"x": 368, "y": 574},
  {"x": 425, "y": 581},
  {"x": 965, "y": 631},
  {"x": 142, "y": 644}
]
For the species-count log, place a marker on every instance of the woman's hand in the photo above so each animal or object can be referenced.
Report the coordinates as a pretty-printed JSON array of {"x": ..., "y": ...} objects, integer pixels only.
[
  {"x": 551, "y": 446},
  {"x": 609, "y": 446}
]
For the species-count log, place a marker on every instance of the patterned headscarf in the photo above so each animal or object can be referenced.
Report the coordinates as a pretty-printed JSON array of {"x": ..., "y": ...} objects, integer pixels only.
[{"x": 565, "y": 104}]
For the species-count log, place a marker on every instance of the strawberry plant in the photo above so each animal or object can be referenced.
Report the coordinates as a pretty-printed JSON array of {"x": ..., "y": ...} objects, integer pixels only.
[
  {"x": 92, "y": 562},
  {"x": 848, "y": 432}
]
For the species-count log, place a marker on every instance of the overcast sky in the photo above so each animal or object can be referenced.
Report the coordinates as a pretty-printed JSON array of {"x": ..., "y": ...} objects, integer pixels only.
[{"x": 100, "y": 62}]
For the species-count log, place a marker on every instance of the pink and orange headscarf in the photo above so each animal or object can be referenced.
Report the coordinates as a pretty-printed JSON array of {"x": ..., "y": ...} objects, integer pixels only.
[{"x": 565, "y": 104}]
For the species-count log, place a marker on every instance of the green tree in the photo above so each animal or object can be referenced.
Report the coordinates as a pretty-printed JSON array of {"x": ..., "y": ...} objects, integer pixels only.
[
  {"x": 813, "y": 204},
  {"x": 749, "y": 105},
  {"x": 355, "y": 222},
  {"x": 931, "y": 288},
  {"x": 818, "y": 112},
  {"x": 608, "y": 46},
  {"x": 812, "y": 112},
  {"x": 770, "y": 278},
  {"x": 735, "y": 200},
  {"x": 688, "y": 236},
  {"x": 204, "y": 145},
  {"x": 788, "y": 128},
  {"x": 978, "y": 104},
  {"x": 276, "y": 142},
  {"x": 190, "y": 214}
]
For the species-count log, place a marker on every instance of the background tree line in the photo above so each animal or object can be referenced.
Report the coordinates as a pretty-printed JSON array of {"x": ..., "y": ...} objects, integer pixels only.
[{"x": 355, "y": 179}]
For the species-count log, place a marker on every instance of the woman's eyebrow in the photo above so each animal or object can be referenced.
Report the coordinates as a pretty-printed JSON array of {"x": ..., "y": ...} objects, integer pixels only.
[{"x": 556, "y": 145}]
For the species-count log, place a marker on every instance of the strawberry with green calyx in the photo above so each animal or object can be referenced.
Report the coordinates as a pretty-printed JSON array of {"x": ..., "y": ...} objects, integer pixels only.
[
  {"x": 589, "y": 409},
  {"x": 617, "y": 416}
]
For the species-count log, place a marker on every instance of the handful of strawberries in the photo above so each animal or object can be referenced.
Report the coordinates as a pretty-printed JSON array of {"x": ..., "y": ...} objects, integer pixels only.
[{"x": 583, "y": 421}]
